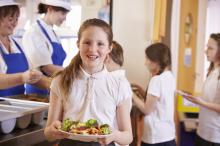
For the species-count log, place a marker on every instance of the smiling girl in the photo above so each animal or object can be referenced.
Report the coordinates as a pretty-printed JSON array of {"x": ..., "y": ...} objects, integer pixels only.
[{"x": 85, "y": 90}]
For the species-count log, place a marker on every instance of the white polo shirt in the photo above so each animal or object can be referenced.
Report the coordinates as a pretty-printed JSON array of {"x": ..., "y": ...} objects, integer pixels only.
[
  {"x": 14, "y": 49},
  {"x": 37, "y": 46},
  {"x": 120, "y": 74},
  {"x": 159, "y": 126},
  {"x": 209, "y": 120},
  {"x": 93, "y": 96}
]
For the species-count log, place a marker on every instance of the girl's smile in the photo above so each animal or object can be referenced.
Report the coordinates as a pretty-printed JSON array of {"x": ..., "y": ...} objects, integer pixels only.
[{"x": 93, "y": 48}]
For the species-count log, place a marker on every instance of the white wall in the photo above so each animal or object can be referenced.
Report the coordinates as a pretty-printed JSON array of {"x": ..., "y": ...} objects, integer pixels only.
[
  {"x": 175, "y": 24},
  {"x": 90, "y": 8},
  {"x": 132, "y": 27}
]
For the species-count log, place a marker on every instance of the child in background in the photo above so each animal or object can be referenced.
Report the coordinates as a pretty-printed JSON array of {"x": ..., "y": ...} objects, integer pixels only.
[
  {"x": 208, "y": 132},
  {"x": 85, "y": 90},
  {"x": 114, "y": 63},
  {"x": 115, "y": 60},
  {"x": 158, "y": 108}
]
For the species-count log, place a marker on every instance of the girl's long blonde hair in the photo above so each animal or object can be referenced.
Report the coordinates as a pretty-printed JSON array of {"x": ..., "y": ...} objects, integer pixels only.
[{"x": 72, "y": 71}]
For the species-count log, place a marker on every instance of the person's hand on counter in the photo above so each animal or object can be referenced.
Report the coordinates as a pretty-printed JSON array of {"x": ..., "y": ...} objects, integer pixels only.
[{"x": 31, "y": 76}]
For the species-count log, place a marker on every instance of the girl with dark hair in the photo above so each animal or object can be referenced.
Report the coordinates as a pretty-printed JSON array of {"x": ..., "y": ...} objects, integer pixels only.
[
  {"x": 158, "y": 108},
  {"x": 41, "y": 43},
  {"x": 208, "y": 133},
  {"x": 85, "y": 89},
  {"x": 14, "y": 66}
]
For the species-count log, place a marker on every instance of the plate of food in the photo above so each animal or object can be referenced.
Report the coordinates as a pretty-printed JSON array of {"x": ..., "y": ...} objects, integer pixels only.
[{"x": 85, "y": 131}]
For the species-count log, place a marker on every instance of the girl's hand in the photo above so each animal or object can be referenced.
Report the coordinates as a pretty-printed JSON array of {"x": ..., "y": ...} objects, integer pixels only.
[
  {"x": 194, "y": 99},
  {"x": 107, "y": 140},
  {"x": 53, "y": 130},
  {"x": 31, "y": 76},
  {"x": 138, "y": 90}
]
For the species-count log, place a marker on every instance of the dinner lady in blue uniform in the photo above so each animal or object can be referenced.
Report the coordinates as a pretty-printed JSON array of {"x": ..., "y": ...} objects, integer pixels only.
[
  {"x": 14, "y": 67},
  {"x": 41, "y": 42}
]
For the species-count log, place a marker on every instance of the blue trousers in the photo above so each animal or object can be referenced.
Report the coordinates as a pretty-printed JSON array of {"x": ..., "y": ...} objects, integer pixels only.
[{"x": 202, "y": 142}]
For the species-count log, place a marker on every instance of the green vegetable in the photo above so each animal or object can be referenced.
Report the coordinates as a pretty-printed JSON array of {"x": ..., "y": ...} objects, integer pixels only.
[
  {"x": 104, "y": 125},
  {"x": 104, "y": 129},
  {"x": 67, "y": 123},
  {"x": 80, "y": 124},
  {"x": 91, "y": 123}
]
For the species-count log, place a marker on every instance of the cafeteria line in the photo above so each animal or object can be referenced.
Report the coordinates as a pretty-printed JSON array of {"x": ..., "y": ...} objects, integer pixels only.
[{"x": 73, "y": 72}]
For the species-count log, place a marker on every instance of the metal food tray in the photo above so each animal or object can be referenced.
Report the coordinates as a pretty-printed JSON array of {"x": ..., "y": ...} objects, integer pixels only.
[
  {"x": 19, "y": 108},
  {"x": 31, "y": 97},
  {"x": 6, "y": 115}
]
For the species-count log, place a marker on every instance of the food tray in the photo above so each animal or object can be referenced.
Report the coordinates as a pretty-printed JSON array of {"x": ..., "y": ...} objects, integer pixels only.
[{"x": 21, "y": 110}]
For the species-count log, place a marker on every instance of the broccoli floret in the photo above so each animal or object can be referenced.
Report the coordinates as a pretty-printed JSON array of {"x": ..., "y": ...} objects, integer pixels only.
[
  {"x": 104, "y": 125},
  {"x": 67, "y": 123},
  {"x": 104, "y": 129},
  {"x": 91, "y": 123}
]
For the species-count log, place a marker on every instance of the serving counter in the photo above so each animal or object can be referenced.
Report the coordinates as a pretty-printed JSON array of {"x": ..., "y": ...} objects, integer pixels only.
[
  {"x": 31, "y": 136},
  {"x": 26, "y": 132}
]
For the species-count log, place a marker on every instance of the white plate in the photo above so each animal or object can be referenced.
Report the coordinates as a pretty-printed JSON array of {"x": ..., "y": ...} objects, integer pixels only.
[{"x": 86, "y": 138}]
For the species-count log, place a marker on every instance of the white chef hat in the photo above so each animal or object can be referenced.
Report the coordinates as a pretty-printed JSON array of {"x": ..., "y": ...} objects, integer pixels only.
[
  {"x": 7, "y": 3},
  {"x": 58, "y": 3}
]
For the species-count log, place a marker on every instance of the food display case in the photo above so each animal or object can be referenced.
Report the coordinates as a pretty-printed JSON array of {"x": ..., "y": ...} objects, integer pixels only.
[
  {"x": 22, "y": 111},
  {"x": 22, "y": 120}
]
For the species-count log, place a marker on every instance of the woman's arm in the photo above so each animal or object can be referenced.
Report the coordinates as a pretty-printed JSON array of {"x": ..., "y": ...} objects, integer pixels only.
[
  {"x": 12, "y": 80},
  {"x": 51, "y": 69},
  {"x": 51, "y": 131},
  {"x": 122, "y": 136},
  {"x": 148, "y": 106},
  {"x": 37, "y": 49},
  {"x": 44, "y": 83}
]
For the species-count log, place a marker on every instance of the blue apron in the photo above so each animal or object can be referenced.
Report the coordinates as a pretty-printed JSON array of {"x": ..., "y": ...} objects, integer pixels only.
[
  {"x": 58, "y": 57},
  {"x": 16, "y": 63}
]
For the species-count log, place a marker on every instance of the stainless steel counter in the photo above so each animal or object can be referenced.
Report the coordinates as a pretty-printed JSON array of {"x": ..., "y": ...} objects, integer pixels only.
[{"x": 31, "y": 136}]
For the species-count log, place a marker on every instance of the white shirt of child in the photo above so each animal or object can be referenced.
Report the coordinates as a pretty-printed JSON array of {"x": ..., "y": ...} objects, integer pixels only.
[
  {"x": 209, "y": 121},
  {"x": 14, "y": 49},
  {"x": 159, "y": 126},
  {"x": 120, "y": 74},
  {"x": 37, "y": 46},
  {"x": 93, "y": 96}
]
